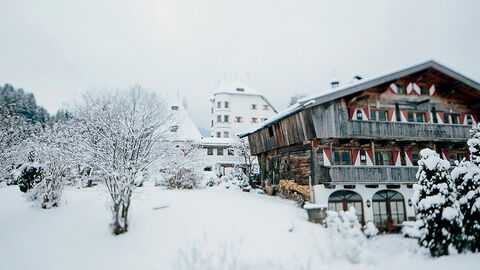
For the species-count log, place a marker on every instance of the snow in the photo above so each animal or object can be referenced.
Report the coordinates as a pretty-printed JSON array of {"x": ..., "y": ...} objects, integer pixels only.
[
  {"x": 314, "y": 206},
  {"x": 212, "y": 228},
  {"x": 450, "y": 213}
]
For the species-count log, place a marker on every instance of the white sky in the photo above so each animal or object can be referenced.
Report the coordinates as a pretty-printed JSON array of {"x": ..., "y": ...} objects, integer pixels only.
[{"x": 58, "y": 49}]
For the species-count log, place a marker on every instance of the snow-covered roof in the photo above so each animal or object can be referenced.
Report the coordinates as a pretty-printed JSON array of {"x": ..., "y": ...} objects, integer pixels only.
[
  {"x": 182, "y": 127},
  {"x": 239, "y": 88},
  {"x": 358, "y": 86},
  {"x": 211, "y": 141}
]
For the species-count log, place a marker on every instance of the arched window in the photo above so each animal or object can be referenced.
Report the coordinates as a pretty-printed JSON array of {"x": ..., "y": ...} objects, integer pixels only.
[
  {"x": 343, "y": 199},
  {"x": 388, "y": 204}
]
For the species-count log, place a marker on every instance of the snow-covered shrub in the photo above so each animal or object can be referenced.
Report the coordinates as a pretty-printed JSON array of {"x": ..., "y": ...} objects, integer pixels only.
[
  {"x": 467, "y": 181},
  {"x": 28, "y": 175},
  {"x": 474, "y": 144},
  {"x": 411, "y": 229},
  {"x": 181, "y": 178},
  {"x": 210, "y": 179},
  {"x": 370, "y": 229},
  {"x": 236, "y": 177},
  {"x": 345, "y": 232},
  {"x": 437, "y": 206}
]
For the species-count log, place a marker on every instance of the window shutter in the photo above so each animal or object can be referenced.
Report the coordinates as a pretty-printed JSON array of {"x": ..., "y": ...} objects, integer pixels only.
[
  {"x": 393, "y": 88},
  {"x": 369, "y": 157},
  {"x": 356, "y": 157},
  {"x": 446, "y": 156},
  {"x": 409, "y": 88},
  {"x": 416, "y": 89},
  {"x": 408, "y": 158},
  {"x": 431, "y": 90},
  {"x": 326, "y": 157},
  {"x": 351, "y": 113},
  {"x": 463, "y": 119},
  {"x": 396, "y": 158},
  {"x": 365, "y": 110},
  {"x": 391, "y": 115},
  {"x": 440, "y": 117}
]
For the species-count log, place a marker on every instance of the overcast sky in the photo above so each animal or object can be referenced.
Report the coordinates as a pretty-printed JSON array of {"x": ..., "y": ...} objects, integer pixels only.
[{"x": 58, "y": 49}]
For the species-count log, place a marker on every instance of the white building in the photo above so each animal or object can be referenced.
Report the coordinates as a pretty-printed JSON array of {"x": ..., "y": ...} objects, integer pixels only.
[{"x": 235, "y": 107}]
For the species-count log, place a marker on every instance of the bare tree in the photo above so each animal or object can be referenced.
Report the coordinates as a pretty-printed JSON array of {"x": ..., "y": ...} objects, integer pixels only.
[
  {"x": 123, "y": 130},
  {"x": 242, "y": 147}
]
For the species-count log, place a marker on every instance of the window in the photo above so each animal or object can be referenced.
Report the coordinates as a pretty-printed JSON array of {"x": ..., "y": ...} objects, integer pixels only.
[
  {"x": 359, "y": 115},
  {"x": 266, "y": 107},
  {"x": 469, "y": 120},
  {"x": 388, "y": 207},
  {"x": 219, "y": 118},
  {"x": 423, "y": 89},
  {"x": 341, "y": 158},
  {"x": 174, "y": 128},
  {"x": 210, "y": 151},
  {"x": 418, "y": 117},
  {"x": 270, "y": 131},
  {"x": 254, "y": 106},
  {"x": 400, "y": 88},
  {"x": 238, "y": 119},
  {"x": 174, "y": 108},
  {"x": 415, "y": 158},
  {"x": 219, "y": 134},
  {"x": 231, "y": 152},
  {"x": 383, "y": 158},
  {"x": 225, "y": 118},
  {"x": 226, "y": 104},
  {"x": 254, "y": 120},
  {"x": 450, "y": 118},
  {"x": 212, "y": 109},
  {"x": 219, "y": 152},
  {"x": 264, "y": 119},
  {"x": 219, "y": 104},
  {"x": 342, "y": 200},
  {"x": 225, "y": 134},
  {"x": 378, "y": 115},
  {"x": 212, "y": 124},
  {"x": 456, "y": 156}
]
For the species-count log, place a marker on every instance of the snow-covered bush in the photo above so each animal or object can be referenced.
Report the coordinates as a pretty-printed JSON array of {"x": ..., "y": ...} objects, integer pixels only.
[
  {"x": 236, "y": 177},
  {"x": 28, "y": 175},
  {"x": 55, "y": 151},
  {"x": 474, "y": 144},
  {"x": 181, "y": 166},
  {"x": 210, "y": 179},
  {"x": 345, "y": 232},
  {"x": 370, "y": 229},
  {"x": 437, "y": 206},
  {"x": 411, "y": 229}
]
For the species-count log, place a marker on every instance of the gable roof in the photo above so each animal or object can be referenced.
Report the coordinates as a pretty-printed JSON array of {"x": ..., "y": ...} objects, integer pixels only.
[{"x": 361, "y": 85}]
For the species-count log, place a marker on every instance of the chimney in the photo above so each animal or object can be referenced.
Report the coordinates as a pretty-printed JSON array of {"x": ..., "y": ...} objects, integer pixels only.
[{"x": 334, "y": 82}]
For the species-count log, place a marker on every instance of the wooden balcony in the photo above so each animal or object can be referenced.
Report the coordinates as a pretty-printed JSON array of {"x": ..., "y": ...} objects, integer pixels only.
[
  {"x": 405, "y": 131},
  {"x": 367, "y": 174}
]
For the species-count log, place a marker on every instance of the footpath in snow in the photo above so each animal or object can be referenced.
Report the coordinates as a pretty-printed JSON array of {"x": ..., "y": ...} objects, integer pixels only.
[{"x": 211, "y": 228}]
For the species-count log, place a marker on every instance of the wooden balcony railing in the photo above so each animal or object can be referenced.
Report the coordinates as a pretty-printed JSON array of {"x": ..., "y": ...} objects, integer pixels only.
[
  {"x": 402, "y": 130},
  {"x": 368, "y": 174}
]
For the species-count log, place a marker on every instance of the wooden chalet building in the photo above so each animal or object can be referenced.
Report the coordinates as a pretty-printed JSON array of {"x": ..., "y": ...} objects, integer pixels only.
[{"x": 359, "y": 143}]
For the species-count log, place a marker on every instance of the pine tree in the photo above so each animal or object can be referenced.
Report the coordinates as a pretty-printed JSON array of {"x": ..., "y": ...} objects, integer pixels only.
[
  {"x": 437, "y": 206},
  {"x": 467, "y": 182},
  {"x": 474, "y": 145}
]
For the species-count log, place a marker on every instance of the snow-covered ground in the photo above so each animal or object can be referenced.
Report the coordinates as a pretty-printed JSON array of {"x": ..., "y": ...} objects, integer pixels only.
[{"x": 211, "y": 228}]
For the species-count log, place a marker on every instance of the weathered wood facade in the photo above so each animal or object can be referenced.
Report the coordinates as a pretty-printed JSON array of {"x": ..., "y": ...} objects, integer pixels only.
[{"x": 301, "y": 144}]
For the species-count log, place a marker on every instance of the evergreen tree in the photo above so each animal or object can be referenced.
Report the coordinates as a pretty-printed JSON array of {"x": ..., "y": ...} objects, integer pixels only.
[
  {"x": 438, "y": 209},
  {"x": 467, "y": 182},
  {"x": 474, "y": 144}
]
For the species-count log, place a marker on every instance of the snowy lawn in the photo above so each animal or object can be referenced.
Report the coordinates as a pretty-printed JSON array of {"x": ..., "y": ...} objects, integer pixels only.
[{"x": 212, "y": 228}]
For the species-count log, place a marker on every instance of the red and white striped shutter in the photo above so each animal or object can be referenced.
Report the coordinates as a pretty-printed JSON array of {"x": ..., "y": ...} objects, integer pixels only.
[
  {"x": 427, "y": 115},
  {"x": 409, "y": 88},
  {"x": 396, "y": 158},
  {"x": 468, "y": 156},
  {"x": 351, "y": 113},
  {"x": 416, "y": 89},
  {"x": 440, "y": 117},
  {"x": 463, "y": 119},
  {"x": 446, "y": 156},
  {"x": 408, "y": 158},
  {"x": 356, "y": 157},
  {"x": 369, "y": 157},
  {"x": 393, "y": 88},
  {"x": 391, "y": 115},
  {"x": 326, "y": 157},
  {"x": 431, "y": 90},
  {"x": 404, "y": 116},
  {"x": 366, "y": 114},
  {"x": 475, "y": 118}
]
